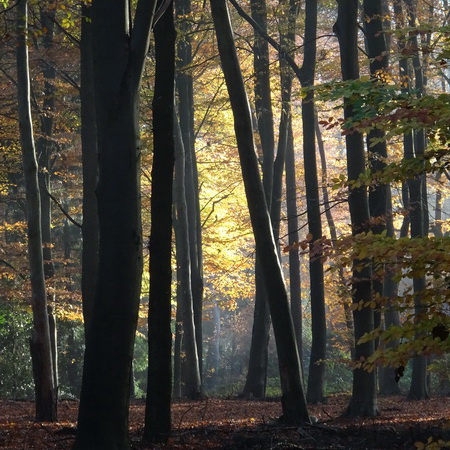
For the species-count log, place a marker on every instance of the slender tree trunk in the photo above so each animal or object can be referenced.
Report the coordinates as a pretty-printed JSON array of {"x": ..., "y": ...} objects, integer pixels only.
[
  {"x": 286, "y": 153},
  {"x": 255, "y": 384},
  {"x": 363, "y": 401},
  {"x": 44, "y": 143},
  {"x": 333, "y": 233},
  {"x": 418, "y": 213},
  {"x": 293, "y": 237},
  {"x": 89, "y": 155},
  {"x": 185, "y": 89},
  {"x": 40, "y": 343},
  {"x": 377, "y": 152},
  {"x": 293, "y": 398},
  {"x": 157, "y": 413},
  {"x": 192, "y": 387}
]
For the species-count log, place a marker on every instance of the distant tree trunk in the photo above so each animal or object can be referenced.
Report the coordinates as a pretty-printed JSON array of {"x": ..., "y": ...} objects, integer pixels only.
[
  {"x": 178, "y": 341},
  {"x": 255, "y": 384},
  {"x": 192, "y": 387},
  {"x": 363, "y": 401},
  {"x": 89, "y": 155},
  {"x": 333, "y": 233},
  {"x": 157, "y": 413},
  {"x": 293, "y": 398},
  {"x": 119, "y": 53},
  {"x": 418, "y": 213},
  {"x": 184, "y": 82},
  {"x": 286, "y": 153},
  {"x": 319, "y": 339},
  {"x": 293, "y": 237},
  {"x": 40, "y": 343}
]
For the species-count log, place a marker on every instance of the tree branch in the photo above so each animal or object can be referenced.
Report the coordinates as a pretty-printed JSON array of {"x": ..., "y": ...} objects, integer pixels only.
[{"x": 58, "y": 204}]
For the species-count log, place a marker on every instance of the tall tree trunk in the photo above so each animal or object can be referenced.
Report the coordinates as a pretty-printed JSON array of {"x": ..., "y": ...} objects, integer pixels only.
[
  {"x": 89, "y": 155},
  {"x": 44, "y": 143},
  {"x": 293, "y": 399},
  {"x": 40, "y": 343},
  {"x": 157, "y": 413},
  {"x": 377, "y": 152},
  {"x": 319, "y": 338},
  {"x": 119, "y": 55},
  {"x": 286, "y": 153},
  {"x": 44, "y": 149},
  {"x": 293, "y": 237},
  {"x": 418, "y": 212},
  {"x": 255, "y": 384},
  {"x": 192, "y": 387},
  {"x": 184, "y": 82},
  {"x": 363, "y": 401}
]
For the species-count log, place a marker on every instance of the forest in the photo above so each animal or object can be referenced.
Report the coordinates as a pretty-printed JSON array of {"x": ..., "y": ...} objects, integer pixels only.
[{"x": 225, "y": 224}]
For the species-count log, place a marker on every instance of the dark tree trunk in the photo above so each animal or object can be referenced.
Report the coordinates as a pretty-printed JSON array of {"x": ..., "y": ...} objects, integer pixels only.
[
  {"x": 192, "y": 386},
  {"x": 90, "y": 232},
  {"x": 185, "y": 89},
  {"x": 119, "y": 57},
  {"x": 293, "y": 398},
  {"x": 40, "y": 342},
  {"x": 255, "y": 384},
  {"x": 363, "y": 401},
  {"x": 319, "y": 339},
  {"x": 157, "y": 414},
  {"x": 377, "y": 152},
  {"x": 286, "y": 153},
  {"x": 418, "y": 213}
]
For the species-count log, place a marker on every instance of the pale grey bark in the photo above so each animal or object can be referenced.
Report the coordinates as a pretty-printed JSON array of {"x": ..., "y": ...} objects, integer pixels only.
[{"x": 40, "y": 343}]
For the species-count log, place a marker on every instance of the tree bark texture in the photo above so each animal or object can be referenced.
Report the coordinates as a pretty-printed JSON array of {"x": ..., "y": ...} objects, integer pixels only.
[
  {"x": 293, "y": 398},
  {"x": 118, "y": 58},
  {"x": 363, "y": 401},
  {"x": 40, "y": 343},
  {"x": 157, "y": 413}
]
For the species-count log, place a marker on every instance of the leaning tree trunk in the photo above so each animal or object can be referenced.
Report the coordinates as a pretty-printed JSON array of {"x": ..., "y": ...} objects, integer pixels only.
[
  {"x": 363, "y": 401},
  {"x": 293, "y": 399},
  {"x": 119, "y": 54},
  {"x": 157, "y": 412},
  {"x": 40, "y": 344}
]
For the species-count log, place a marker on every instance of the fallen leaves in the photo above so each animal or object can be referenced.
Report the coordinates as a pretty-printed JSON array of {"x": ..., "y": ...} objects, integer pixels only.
[{"x": 241, "y": 424}]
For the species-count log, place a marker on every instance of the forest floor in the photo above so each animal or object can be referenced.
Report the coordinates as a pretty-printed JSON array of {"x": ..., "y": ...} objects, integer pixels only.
[{"x": 242, "y": 424}]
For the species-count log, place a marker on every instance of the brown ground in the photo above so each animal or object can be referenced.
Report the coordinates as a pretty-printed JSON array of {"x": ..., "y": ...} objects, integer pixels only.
[{"x": 242, "y": 424}]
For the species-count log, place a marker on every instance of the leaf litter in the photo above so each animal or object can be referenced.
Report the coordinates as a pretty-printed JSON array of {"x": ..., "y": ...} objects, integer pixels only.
[{"x": 236, "y": 424}]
